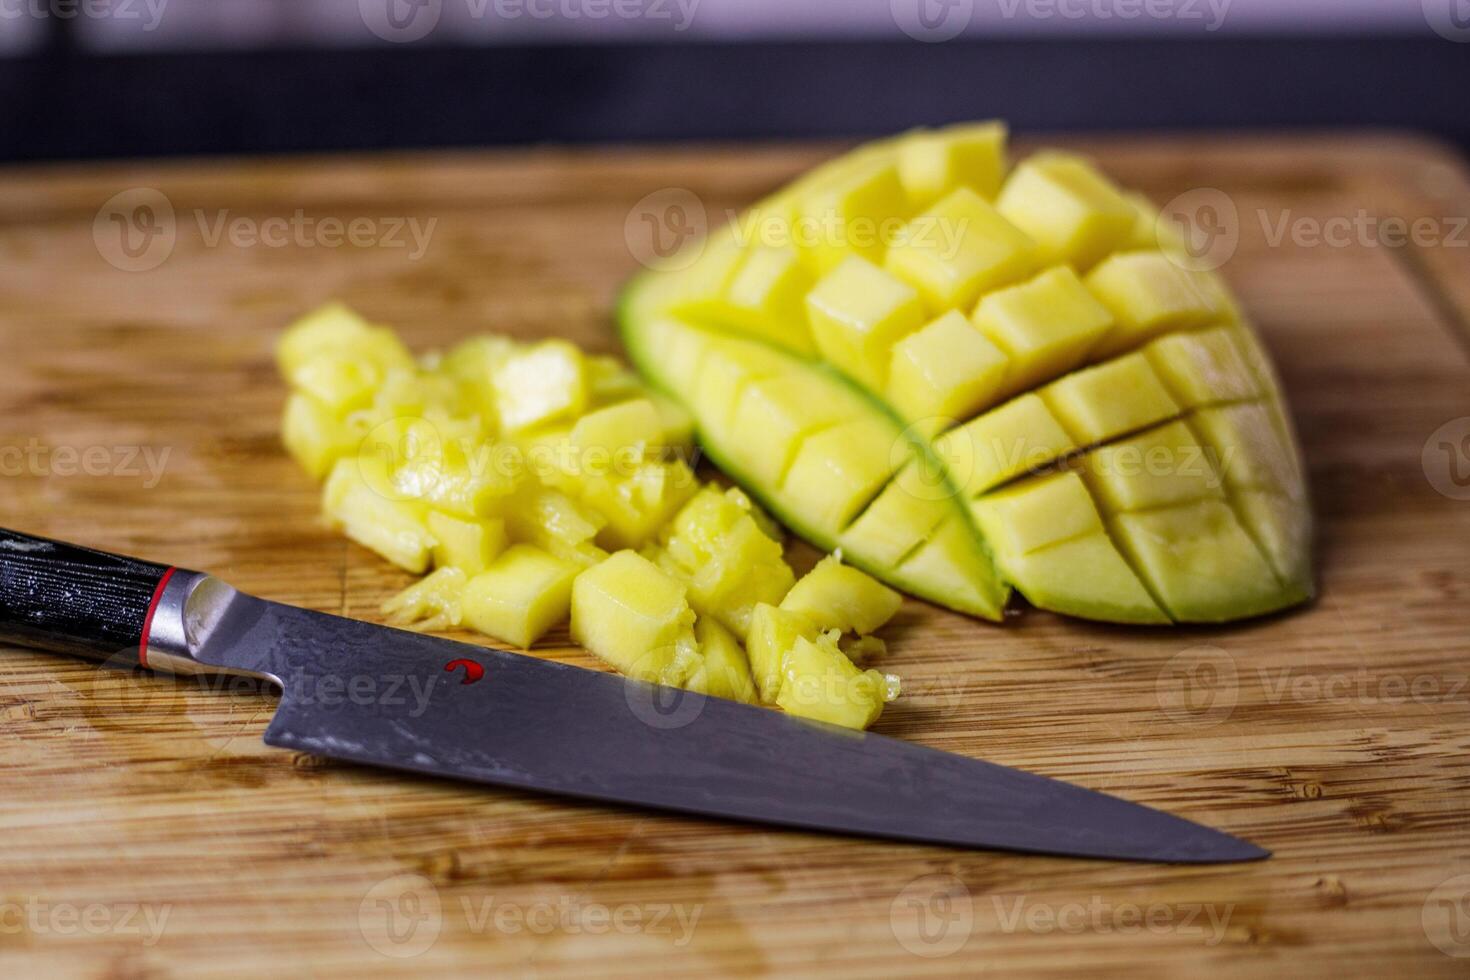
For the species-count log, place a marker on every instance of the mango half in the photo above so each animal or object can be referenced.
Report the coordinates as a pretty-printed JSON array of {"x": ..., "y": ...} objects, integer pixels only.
[{"x": 975, "y": 378}]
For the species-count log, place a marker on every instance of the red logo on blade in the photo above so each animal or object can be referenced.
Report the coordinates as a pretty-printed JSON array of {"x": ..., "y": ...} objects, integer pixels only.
[{"x": 472, "y": 670}]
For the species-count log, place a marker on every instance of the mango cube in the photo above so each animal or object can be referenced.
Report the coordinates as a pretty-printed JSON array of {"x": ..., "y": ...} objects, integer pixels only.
[
  {"x": 772, "y": 634},
  {"x": 1046, "y": 325},
  {"x": 724, "y": 670},
  {"x": 354, "y": 501},
  {"x": 335, "y": 332},
  {"x": 857, "y": 313},
  {"x": 1110, "y": 400},
  {"x": 1036, "y": 513},
  {"x": 700, "y": 287},
  {"x": 1204, "y": 368},
  {"x": 959, "y": 248},
  {"x": 431, "y": 604},
  {"x": 636, "y": 505},
  {"x": 772, "y": 418},
  {"x": 913, "y": 504},
  {"x": 948, "y": 370},
  {"x": 729, "y": 562},
  {"x": 1073, "y": 212},
  {"x": 543, "y": 383},
  {"x": 724, "y": 372},
  {"x": 767, "y": 296},
  {"x": 635, "y": 617},
  {"x": 314, "y": 436},
  {"x": 1282, "y": 528},
  {"x": 522, "y": 595},
  {"x": 1017, "y": 437},
  {"x": 840, "y": 469},
  {"x": 820, "y": 682},
  {"x": 1199, "y": 561},
  {"x": 1087, "y": 577},
  {"x": 931, "y": 163},
  {"x": 467, "y": 545},
  {"x": 1246, "y": 444},
  {"x": 852, "y": 216},
  {"x": 1148, "y": 294},
  {"x": 1154, "y": 469},
  {"x": 839, "y": 597},
  {"x": 613, "y": 439}
]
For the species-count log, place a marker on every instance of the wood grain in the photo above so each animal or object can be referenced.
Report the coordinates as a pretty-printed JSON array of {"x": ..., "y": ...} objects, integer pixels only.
[{"x": 1339, "y": 736}]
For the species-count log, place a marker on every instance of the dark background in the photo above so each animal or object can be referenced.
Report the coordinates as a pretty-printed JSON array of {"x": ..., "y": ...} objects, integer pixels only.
[{"x": 64, "y": 102}]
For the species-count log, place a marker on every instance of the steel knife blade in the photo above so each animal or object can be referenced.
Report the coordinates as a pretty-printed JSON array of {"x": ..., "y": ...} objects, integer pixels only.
[{"x": 384, "y": 697}]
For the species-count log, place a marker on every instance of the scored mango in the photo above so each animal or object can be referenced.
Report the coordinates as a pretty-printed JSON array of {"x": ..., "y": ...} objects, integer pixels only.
[{"x": 1031, "y": 328}]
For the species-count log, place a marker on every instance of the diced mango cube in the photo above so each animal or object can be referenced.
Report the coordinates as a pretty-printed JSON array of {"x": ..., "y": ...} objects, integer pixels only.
[
  {"x": 1073, "y": 212},
  {"x": 700, "y": 288},
  {"x": 857, "y": 313},
  {"x": 333, "y": 328},
  {"x": 1110, "y": 400},
  {"x": 724, "y": 670},
  {"x": 1017, "y": 437},
  {"x": 357, "y": 499},
  {"x": 1036, "y": 513},
  {"x": 1162, "y": 466},
  {"x": 853, "y": 215},
  {"x": 772, "y": 418},
  {"x": 544, "y": 383},
  {"x": 1199, "y": 561},
  {"x": 950, "y": 559},
  {"x": 522, "y": 595},
  {"x": 839, "y": 597},
  {"x": 543, "y": 515},
  {"x": 730, "y": 563},
  {"x": 635, "y": 616},
  {"x": 1148, "y": 294},
  {"x": 767, "y": 295},
  {"x": 1204, "y": 368},
  {"x": 1046, "y": 326},
  {"x": 1086, "y": 577},
  {"x": 723, "y": 374},
  {"x": 932, "y": 163},
  {"x": 467, "y": 545},
  {"x": 958, "y": 249},
  {"x": 615, "y": 438},
  {"x": 948, "y": 370},
  {"x": 840, "y": 469},
  {"x": 430, "y": 605},
  {"x": 340, "y": 384},
  {"x": 772, "y": 634},
  {"x": 821, "y": 683},
  {"x": 314, "y": 436},
  {"x": 637, "y": 504}
]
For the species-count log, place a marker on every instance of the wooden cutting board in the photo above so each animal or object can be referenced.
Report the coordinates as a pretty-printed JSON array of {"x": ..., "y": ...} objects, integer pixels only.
[{"x": 145, "y": 831}]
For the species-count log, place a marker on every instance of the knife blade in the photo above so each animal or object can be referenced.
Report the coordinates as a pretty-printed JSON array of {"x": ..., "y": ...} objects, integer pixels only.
[{"x": 389, "y": 698}]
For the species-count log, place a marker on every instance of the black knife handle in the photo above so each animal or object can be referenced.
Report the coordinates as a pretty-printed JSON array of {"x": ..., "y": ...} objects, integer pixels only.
[{"x": 65, "y": 599}]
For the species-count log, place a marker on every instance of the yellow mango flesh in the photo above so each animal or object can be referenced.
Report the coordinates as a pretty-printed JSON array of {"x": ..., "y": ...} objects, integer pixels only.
[{"x": 1092, "y": 351}]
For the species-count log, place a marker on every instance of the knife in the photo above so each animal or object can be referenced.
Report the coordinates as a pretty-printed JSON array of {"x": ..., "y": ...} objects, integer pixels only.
[{"x": 385, "y": 697}]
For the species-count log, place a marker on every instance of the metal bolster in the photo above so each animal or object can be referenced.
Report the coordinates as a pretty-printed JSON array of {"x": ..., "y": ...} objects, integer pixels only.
[{"x": 188, "y": 610}]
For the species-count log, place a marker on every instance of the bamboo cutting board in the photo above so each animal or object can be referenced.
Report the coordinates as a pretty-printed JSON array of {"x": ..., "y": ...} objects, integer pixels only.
[{"x": 145, "y": 831}]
